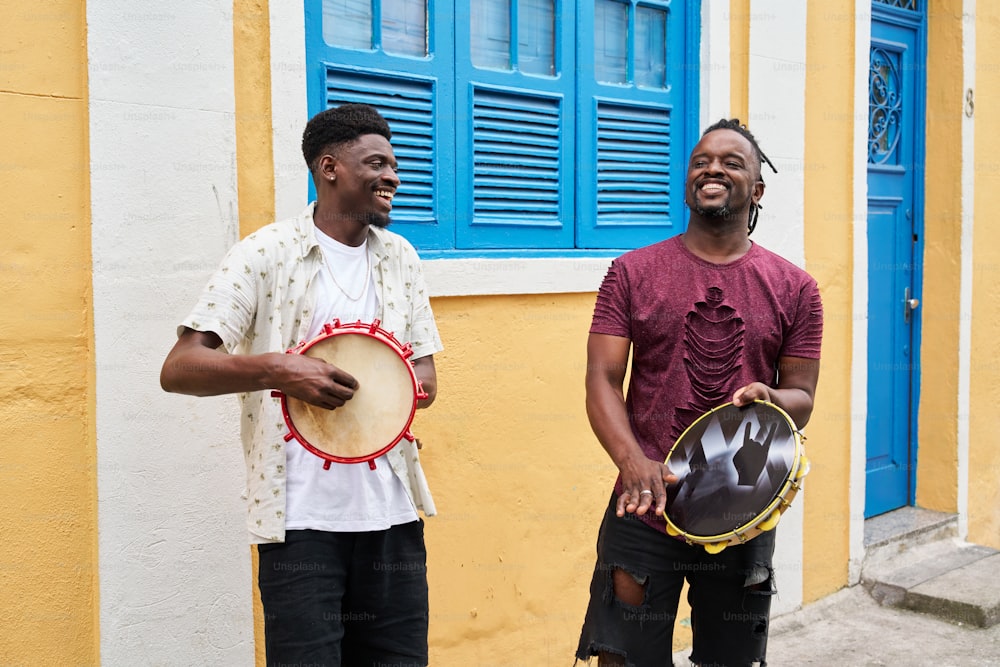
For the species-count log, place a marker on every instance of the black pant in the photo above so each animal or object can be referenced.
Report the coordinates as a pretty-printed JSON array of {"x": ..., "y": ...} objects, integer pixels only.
[
  {"x": 730, "y": 596},
  {"x": 352, "y": 599}
]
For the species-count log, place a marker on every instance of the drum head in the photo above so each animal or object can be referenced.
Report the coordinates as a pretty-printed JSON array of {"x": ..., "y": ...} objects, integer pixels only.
[
  {"x": 380, "y": 412},
  {"x": 731, "y": 464}
]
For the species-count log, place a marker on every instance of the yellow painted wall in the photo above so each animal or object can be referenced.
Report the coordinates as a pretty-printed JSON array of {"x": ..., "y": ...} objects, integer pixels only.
[
  {"x": 48, "y": 565},
  {"x": 519, "y": 480},
  {"x": 937, "y": 460},
  {"x": 829, "y": 214},
  {"x": 984, "y": 415}
]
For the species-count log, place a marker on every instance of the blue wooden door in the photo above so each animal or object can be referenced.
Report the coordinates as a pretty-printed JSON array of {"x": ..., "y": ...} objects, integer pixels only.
[{"x": 895, "y": 161}]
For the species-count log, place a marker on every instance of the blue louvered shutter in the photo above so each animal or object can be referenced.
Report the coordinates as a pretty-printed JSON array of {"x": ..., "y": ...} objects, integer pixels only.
[
  {"x": 632, "y": 82},
  {"x": 516, "y": 125},
  {"x": 521, "y": 126},
  {"x": 633, "y": 165},
  {"x": 518, "y": 179},
  {"x": 414, "y": 91},
  {"x": 407, "y": 103}
]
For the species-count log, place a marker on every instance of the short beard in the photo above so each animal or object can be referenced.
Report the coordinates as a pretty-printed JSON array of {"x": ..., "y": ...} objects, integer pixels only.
[
  {"x": 379, "y": 220},
  {"x": 714, "y": 212}
]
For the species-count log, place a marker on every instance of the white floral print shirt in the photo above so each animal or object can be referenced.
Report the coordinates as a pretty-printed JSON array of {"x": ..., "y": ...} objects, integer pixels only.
[{"x": 259, "y": 300}]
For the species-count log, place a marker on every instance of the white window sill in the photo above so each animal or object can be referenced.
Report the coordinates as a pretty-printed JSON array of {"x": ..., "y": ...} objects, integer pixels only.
[{"x": 543, "y": 275}]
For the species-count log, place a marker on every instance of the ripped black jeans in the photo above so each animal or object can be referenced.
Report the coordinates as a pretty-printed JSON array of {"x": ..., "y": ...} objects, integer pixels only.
[{"x": 729, "y": 593}]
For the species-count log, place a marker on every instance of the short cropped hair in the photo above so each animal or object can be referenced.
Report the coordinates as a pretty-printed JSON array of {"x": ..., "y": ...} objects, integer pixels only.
[{"x": 333, "y": 127}]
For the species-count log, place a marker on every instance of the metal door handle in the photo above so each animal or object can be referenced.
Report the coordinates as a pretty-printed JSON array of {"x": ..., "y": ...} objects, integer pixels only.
[{"x": 909, "y": 305}]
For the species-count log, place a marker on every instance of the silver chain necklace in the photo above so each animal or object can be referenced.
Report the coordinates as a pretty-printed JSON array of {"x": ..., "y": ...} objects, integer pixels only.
[{"x": 364, "y": 286}]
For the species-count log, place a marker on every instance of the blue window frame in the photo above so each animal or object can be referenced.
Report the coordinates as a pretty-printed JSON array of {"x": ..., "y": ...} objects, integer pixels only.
[{"x": 521, "y": 126}]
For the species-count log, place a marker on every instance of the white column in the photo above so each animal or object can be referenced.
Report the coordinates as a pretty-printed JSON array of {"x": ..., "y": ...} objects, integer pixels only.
[
  {"x": 859, "y": 319},
  {"x": 967, "y": 259},
  {"x": 777, "y": 120},
  {"x": 714, "y": 78},
  {"x": 174, "y": 566},
  {"x": 289, "y": 108}
]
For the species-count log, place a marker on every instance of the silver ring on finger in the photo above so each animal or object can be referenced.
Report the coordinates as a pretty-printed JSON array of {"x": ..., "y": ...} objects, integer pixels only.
[{"x": 645, "y": 491}]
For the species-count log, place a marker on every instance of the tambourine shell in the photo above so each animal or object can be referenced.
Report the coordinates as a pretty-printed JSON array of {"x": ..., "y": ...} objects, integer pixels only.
[
  {"x": 738, "y": 470},
  {"x": 382, "y": 408}
]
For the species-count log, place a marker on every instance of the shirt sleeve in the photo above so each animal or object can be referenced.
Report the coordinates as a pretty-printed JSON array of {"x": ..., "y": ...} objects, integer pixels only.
[
  {"x": 612, "y": 312},
  {"x": 805, "y": 336},
  {"x": 228, "y": 304},
  {"x": 424, "y": 336}
]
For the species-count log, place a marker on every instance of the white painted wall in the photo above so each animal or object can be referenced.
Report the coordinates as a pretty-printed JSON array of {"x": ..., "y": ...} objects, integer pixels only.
[
  {"x": 968, "y": 268},
  {"x": 859, "y": 317},
  {"x": 175, "y": 581},
  {"x": 716, "y": 69},
  {"x": 289, "y": 108},
  {"x": 777, "y": 120}
]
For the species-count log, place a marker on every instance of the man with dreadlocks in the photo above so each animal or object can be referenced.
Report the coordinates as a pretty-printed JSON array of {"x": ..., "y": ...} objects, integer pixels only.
[
  {"x": 342, "y": 563},
  {"x": 677, "y": 305}
]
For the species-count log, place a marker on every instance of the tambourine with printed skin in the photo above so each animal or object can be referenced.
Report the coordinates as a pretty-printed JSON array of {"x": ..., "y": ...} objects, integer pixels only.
[
  {"x": 738, "y": 470},
  {"x": 381, "y": 411}
]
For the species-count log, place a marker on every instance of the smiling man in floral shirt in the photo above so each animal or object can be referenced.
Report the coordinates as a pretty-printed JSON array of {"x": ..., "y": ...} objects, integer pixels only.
[{"x": 342, "y": 558}]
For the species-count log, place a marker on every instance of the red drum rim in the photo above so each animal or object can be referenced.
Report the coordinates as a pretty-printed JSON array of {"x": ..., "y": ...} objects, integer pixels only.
[{"x": 374, "y": 331}]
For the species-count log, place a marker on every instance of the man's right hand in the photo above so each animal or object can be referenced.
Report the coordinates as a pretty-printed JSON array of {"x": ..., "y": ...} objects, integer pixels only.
[
  {"x": 643, "y": 480},
  {"x": 312, "y": 380},
  {"x": 199, "y": 366},
  {"x": 644, "y": 486}
]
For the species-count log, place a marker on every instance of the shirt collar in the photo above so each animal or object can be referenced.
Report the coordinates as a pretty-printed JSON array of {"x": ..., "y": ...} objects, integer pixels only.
[{"x": 376, "y": 240}]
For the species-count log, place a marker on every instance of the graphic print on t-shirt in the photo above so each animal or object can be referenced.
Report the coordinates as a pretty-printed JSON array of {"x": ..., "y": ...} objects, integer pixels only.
[{"x": 713, "y": 348}]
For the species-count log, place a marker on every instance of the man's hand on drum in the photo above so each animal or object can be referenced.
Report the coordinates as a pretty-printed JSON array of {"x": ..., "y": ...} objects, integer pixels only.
[
  {"x": 644, "y": 486},
  {"x": 795, "y": 391},
  {"x": 755, "y": 391},
  {"x": 313, "y": 380}
]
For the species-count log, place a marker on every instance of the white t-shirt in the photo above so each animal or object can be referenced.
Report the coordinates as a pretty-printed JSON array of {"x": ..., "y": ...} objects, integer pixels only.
[{"x": 346, "y": 497}]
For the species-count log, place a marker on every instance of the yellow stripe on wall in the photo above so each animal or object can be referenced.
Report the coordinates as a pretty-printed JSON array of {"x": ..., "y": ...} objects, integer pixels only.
[
  {"x": 937, "y": 441},
  {"x": 49, "y": 611},
  {"x": 254, "y": 137},
  {"x": 829, "y": 215},
  {"x": 254, "y": 162},
  {"x": 739, "y": 49}
]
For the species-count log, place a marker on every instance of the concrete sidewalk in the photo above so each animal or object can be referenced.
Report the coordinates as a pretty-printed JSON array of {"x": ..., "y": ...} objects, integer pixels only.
[
  {"x": 851, "y": 628},
  {"x": 926, "y": 599}
]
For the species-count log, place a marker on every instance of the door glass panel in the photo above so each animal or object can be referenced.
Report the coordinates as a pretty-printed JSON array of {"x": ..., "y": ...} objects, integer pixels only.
[
  {"x": 404, "y": 27},
  {"x": 348, "y": 23},
  {"x": 610, "y": 41},
  {"x": 536, "y": 31},
  {"x": 651, "y": 47},
  {"x": 490, "y": 36}
]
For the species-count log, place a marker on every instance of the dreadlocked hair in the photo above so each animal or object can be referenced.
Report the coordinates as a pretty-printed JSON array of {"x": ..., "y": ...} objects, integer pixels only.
[
  {"x": 735, "y": 125},
  {"x": 334, "y": 127}
]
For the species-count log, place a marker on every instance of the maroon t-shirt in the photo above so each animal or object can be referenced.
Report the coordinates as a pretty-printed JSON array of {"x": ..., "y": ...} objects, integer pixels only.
[{"x": 700, "y": 331}]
